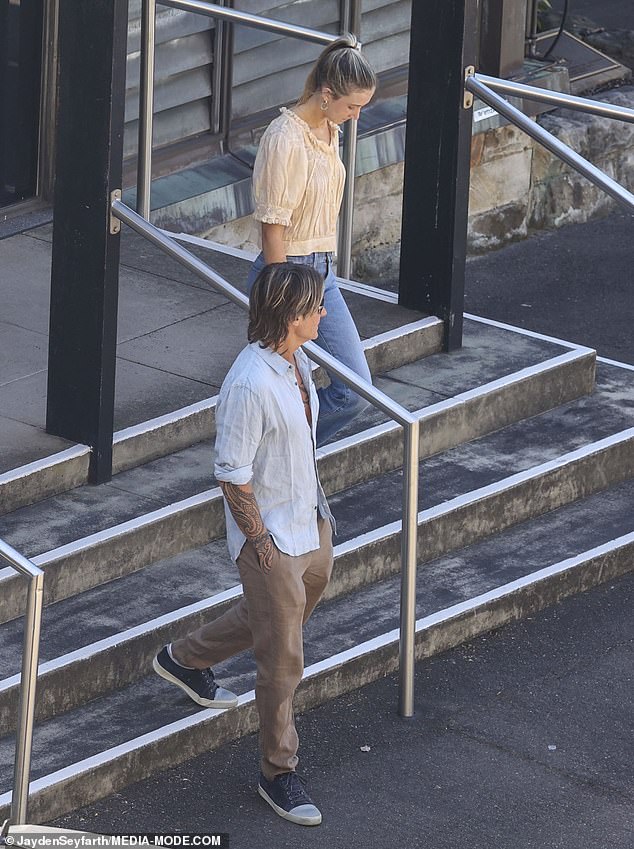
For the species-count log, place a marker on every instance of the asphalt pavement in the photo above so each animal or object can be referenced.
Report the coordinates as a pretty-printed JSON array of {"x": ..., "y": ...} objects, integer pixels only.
[{"x": 610, "y": 14}]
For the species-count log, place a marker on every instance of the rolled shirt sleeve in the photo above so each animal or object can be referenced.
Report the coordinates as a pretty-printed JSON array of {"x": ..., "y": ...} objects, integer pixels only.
[{"x": 239, "y": 433}]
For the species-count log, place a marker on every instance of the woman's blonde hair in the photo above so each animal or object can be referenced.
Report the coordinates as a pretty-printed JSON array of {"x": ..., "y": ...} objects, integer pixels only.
[
  {"x": 281, "y": 293},
  {"x": 342, "y": 68}
]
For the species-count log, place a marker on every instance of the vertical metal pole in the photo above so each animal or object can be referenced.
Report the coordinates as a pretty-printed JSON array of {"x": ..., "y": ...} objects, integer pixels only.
[
  {"x": 532, "y": 10},
  {"x": 26, "y": 710},
  {"x": 146, "y": 108},
  {"x": 409, "y": 535},
  {"x": 437, "y": 162},
  {"x": 226, "y": 86},
  {"x": 217, "y": 75},
  {"x": 349, "y": 158}
]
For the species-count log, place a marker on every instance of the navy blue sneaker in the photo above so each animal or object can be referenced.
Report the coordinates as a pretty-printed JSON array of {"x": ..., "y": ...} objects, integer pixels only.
[
  {"x": 199, "y": 684},
  {"x": 286, "y": 795}
]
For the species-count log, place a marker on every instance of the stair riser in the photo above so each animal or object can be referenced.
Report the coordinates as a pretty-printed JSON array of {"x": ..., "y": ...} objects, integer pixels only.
[
  {"x": 90, "y": 784},
  {"x": 145, "y": 444},
  {"x": 172, "y": 433},
  {"x": 447, "y": 425},
  {"x": 531, "y": 498},
  {"x": 42, "y": 480},
  {"x": 443, "y": 427},
  {"x": 354, "y": 568},
  {"x": 120, "y": 555}
]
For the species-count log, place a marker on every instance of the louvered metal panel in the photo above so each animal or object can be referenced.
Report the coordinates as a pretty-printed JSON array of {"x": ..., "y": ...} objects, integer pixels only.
[
  {"x": 268, "y": 70},
  {"x": 183, "y": 76}
]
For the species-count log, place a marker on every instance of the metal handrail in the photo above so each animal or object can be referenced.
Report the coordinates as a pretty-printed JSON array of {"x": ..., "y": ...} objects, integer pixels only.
[
  {"x": 391, "y": 408},
  {"x": 146, "y": 101},
  {"x": 557, "y": 98},
  {"x": 28, "y": 679},
  {"x": 474, "y": 84}
]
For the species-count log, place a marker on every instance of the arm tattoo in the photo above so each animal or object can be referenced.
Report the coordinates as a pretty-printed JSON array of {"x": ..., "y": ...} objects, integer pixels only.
[{"x": 244, "y": 509}]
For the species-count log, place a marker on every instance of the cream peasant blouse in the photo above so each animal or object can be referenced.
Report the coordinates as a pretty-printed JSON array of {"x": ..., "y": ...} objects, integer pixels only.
[{"x": 298, "y": 182}]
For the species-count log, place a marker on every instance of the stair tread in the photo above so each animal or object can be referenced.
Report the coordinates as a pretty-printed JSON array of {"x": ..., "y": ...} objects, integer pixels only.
[
  {"x": 185, "y": 578},
  {"x": 63, "y": 518},
  {"x": 341, "y": 623}
]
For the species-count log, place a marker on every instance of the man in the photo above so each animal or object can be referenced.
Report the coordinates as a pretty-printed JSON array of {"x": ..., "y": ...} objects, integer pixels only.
[{"x": 278, "y": 526}]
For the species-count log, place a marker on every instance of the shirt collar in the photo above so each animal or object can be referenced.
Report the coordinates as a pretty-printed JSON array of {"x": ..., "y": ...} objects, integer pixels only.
[{"x": 275, "y": 360}]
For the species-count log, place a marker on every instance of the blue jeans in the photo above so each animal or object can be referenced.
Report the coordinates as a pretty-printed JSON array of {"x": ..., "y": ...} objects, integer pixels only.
[{"x": 338, "y": 404}]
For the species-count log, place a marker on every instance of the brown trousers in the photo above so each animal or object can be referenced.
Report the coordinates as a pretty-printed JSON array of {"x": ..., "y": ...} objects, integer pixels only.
[{"x": 269, "y": 618}]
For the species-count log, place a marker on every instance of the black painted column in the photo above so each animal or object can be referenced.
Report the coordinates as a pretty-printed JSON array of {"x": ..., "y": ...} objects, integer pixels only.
[
  {"x": 437, "y": 159},
  {"x": 85, "y": 266}
]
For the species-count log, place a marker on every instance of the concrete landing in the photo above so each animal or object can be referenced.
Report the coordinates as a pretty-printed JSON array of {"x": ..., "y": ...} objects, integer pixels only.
[{"x": 176, "y": 338}]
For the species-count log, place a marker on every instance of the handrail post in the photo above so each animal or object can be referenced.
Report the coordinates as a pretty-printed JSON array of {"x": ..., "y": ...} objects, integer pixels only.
[
  {"x": 217, "y": 75},
  {"x": 26, "y": 711},
  {"x": 226, "y": 81},
  {"x": 532, "y": 9},
  {"x": 409, "y": 535},
  {"x": 146, "y": 107},
  {"x": 349, "y": 158}
]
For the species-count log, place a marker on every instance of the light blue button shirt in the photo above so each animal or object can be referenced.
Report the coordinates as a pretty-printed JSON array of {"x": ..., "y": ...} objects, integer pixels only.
[{"x": 263, "y": 437}]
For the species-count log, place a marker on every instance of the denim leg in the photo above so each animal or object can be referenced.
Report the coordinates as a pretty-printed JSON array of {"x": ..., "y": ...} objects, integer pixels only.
[
  {"x": 338, "y": 404},
  {"x": 256, "y": 267}
]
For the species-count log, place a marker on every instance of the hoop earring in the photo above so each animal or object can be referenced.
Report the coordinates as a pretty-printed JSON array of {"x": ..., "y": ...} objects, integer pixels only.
[{"x": 323, "y": 105}]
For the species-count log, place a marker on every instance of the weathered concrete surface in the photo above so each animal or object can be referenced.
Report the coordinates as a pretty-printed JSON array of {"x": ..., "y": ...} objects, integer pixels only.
[
  {"x": 472, "y": 768},
  {"x": 108, "y": 550},
  {"x": 358, "y": 564},
  {"x": 434, "y": 636}
]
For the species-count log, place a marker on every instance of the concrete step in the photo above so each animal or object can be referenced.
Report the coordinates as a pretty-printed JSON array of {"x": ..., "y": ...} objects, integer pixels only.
[
  {"x": 171, "y": 432},
  {"x": 147, "y": 726},
  {"x": 97, "y": 534},
  {"x": 102, "y": 638}
]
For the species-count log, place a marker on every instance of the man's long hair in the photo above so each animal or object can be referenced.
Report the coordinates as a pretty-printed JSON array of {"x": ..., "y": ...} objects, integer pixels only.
[{"x": 281, "y": 293}]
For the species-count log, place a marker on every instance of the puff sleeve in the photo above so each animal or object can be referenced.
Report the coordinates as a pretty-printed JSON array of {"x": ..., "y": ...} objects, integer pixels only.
[{"x": 280, "y": 174}]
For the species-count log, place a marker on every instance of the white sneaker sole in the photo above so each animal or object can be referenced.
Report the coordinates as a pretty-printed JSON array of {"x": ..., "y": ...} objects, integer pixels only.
[
  {"x": 311, "y": 819},
  {"x": 224, "y": 698}
]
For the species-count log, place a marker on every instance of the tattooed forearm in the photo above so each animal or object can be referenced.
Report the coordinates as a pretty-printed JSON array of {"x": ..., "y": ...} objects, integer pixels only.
[{"x": 244, "y": 509}]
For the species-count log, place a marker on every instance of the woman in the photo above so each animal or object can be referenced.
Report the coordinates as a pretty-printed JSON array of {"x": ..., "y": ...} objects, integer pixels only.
[{"x": 298, "y": 181}]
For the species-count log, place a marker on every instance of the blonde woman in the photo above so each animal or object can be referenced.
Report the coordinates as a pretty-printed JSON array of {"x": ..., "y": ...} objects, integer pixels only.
[{"x": 298, "y": 182}]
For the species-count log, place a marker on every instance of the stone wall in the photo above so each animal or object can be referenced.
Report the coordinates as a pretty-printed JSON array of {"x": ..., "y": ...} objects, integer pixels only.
[{"x": 518, "y": 186}]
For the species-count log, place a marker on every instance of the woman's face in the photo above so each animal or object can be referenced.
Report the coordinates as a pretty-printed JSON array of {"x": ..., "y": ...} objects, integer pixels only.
[{"x": 341, "y": 109}]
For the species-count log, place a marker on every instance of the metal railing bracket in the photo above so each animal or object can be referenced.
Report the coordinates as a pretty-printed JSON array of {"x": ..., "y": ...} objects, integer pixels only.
[
  {"x": 115, "y": 223},
  {"x": 467, "y": 102}
]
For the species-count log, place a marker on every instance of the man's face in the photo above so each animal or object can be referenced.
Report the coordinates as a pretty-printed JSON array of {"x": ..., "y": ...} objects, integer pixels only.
[{"x": 306, "y": 327}]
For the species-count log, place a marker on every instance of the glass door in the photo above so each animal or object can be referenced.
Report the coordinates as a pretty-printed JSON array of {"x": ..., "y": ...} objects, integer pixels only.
[{"x": 20, "y": 78}]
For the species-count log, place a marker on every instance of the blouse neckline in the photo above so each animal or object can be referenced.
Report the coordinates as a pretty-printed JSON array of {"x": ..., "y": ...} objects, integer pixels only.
[{"x": 334, "y": 129}]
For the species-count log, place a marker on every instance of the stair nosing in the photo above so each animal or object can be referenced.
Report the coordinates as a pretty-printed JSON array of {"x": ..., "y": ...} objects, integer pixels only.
[
  {"x": 475, "y": 605},
  {"x": 355, "y": 544},
  {"x": 364, "y": 436}
]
